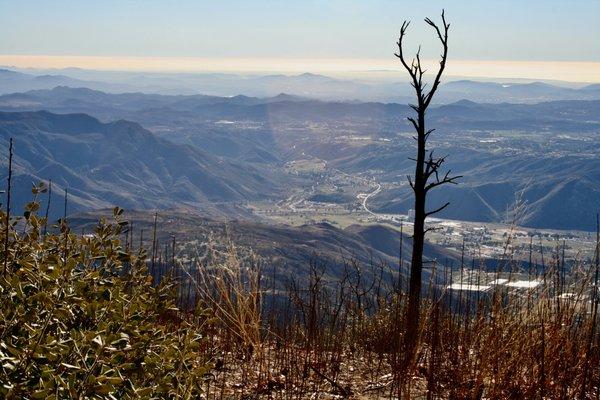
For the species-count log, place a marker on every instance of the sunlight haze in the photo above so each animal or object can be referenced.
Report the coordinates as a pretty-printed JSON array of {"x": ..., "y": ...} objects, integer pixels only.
[{"x": 333, "y": 37}]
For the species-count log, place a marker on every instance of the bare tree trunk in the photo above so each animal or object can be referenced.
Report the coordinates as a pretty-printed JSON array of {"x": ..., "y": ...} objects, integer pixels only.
[
  {"x": 416, "y": 264},
  {"x": 426, "y": 166},
  {"x": 8, "y": 194}
]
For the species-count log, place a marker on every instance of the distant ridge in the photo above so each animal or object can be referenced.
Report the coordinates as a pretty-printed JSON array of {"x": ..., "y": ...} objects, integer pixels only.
[
  {"x": 119, "y": 163},
  {"x": 307, "y": 84}
]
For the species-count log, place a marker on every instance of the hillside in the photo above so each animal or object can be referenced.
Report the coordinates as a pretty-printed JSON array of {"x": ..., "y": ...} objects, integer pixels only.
[
  {"x": 119, "y": 163},
  {"x": 544, "y": 151},
  {"x": 287, "y": 252}
]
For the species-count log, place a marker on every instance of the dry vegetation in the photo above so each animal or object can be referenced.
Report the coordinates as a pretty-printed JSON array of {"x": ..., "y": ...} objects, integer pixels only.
[
  {"x": 344, "y": 339},
  {"x": 86, "y": 317}
]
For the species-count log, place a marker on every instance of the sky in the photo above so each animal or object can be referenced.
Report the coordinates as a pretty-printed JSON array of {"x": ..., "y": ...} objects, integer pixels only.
[{"x": 556, "y": 39}]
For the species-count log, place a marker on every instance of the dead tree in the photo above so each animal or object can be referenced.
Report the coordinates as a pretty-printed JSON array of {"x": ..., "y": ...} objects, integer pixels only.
[{"x": 428, "y": 174}]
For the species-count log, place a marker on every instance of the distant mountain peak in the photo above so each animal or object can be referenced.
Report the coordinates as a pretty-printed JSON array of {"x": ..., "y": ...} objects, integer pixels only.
[
  {"x": 287, "y": 97},
  {"x": 538, "y": 84},
  {"x": 465, "y": 102},
  {"x": 69, "y": 89},
  {"x": 310, "y": 74},
  {"x": 51, "y": 77}
]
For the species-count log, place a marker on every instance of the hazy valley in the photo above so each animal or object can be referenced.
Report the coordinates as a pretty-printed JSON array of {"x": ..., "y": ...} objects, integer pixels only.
[
  {"x": 290, "y": 160},
  {"x": 545, "y": 152}
]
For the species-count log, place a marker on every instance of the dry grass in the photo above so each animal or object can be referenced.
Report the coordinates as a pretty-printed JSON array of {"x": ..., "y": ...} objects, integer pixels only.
[{"x": 323, "y": 339}]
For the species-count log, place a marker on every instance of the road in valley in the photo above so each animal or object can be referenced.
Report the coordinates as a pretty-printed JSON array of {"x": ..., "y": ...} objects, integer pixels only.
[{"x": 366, "y": 198}]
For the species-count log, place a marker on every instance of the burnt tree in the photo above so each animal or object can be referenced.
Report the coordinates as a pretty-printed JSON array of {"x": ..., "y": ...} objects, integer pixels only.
[{"x": 428, "y": 174}]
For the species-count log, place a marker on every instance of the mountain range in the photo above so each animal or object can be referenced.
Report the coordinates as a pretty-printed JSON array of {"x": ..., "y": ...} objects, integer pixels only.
[
  {"x": 199, "y": 150},
  {"x": 305, "y": 85},
  {"x": 120, "y": 163}
]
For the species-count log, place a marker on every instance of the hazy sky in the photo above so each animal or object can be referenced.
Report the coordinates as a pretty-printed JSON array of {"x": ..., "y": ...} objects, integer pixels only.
[{"x": 510, "y": 30}]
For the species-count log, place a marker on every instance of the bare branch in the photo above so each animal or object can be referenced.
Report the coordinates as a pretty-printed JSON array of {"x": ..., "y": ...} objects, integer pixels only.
[
  {"x": 445, "y": 180},
  {"x": 414, "y": 122},
  {"x": 432, "y": 229},
  {"x": 444, "y": 40},
  {"x": 410, "y": 182},
  {"x": 433, "y": 165},
  {"x": 411, "y": 69},
  {"x": 437, "y": 210},
  {"x": 429, "y": 131},
  {"x": 400, "y": 53}
]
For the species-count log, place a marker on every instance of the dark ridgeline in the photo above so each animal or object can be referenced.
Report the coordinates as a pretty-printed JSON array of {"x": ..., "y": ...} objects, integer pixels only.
[{"x": 427, "y": 173}]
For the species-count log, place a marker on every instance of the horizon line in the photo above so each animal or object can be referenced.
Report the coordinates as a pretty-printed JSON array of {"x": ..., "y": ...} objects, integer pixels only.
[{"x": 567, "y": 71}]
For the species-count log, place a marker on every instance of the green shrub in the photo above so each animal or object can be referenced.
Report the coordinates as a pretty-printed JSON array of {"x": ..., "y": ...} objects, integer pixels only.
[{"x": 81, "y": 318}]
